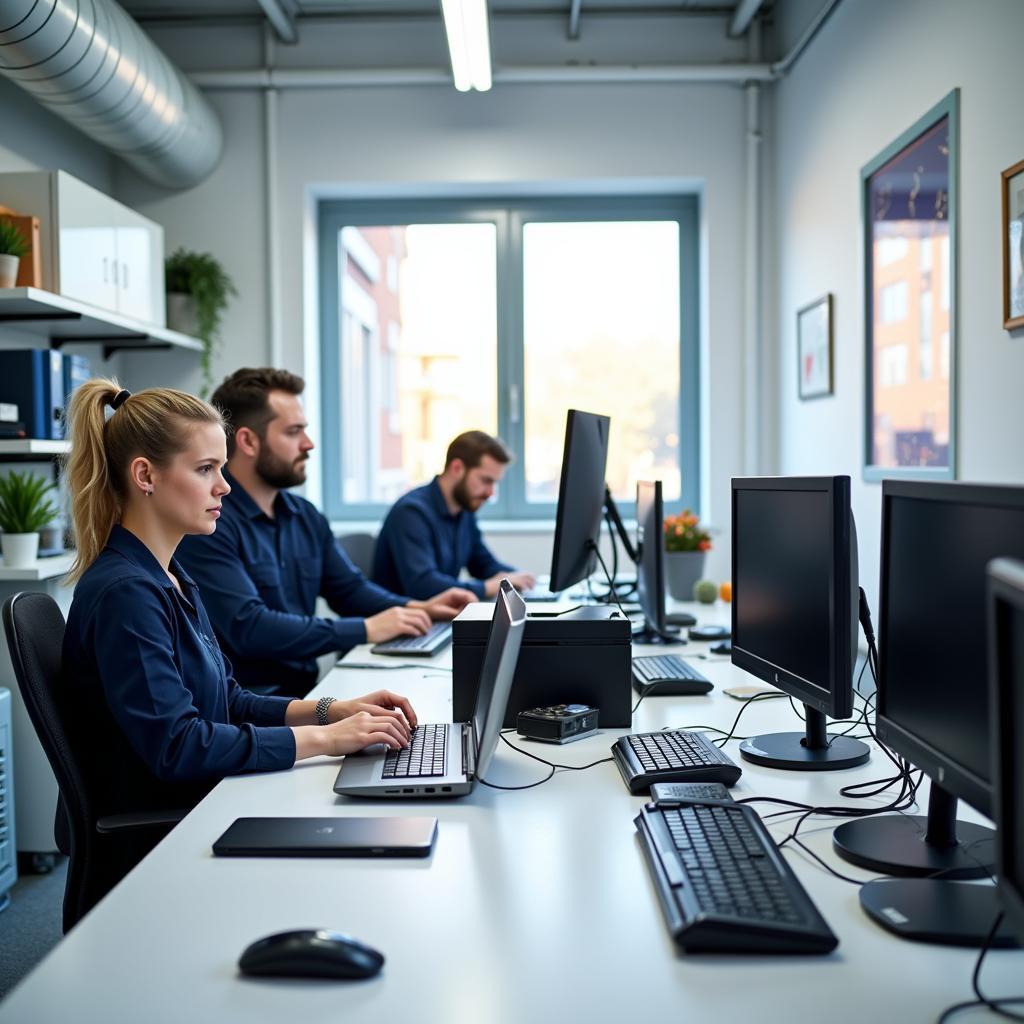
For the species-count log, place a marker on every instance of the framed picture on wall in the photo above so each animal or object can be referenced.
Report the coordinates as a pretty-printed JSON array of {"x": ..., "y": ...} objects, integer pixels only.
[
  {"x": 909, "y": 196},
  {"x": 1013, "y": 246},
  {"x": 814, "y": 347}
]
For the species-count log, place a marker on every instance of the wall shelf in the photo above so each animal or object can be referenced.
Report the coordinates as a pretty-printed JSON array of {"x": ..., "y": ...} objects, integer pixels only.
[
  {"x": 60, "y": 320},
  {"x": 21, "y": 446},
  {"x": 44, "y": 569}
]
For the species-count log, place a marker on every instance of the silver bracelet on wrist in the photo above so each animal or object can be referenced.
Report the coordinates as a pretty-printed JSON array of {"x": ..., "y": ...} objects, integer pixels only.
[{"x": 321, "y": 709}]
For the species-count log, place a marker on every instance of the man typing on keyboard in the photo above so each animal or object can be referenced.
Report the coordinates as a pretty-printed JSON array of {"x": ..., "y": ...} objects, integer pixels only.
[{"x": 273, "y": 553}]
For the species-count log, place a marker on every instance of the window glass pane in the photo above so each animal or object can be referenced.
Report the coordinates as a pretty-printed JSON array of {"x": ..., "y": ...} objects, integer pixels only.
[
  {"x": 601, "y": 333},
  {"x": 418, "y": 350}
]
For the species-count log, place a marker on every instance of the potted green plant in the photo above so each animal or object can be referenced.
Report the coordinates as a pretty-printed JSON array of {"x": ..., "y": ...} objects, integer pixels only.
[
  {"x": 198, "y": 289},
  {"x": 24, "y": 511},
  {"x": 686, "y": 544},
  {"x": 12, "y": 247}
]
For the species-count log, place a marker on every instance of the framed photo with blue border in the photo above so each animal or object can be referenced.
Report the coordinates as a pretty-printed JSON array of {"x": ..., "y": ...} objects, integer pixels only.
[
  {"x": 814, "y": 348},
  {"x": 909, "y": 202}
]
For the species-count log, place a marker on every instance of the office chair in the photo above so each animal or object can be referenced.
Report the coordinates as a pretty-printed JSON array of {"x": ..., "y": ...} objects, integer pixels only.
[
  {"x": 359, "y": 547},
  {"x": 101, "y": 850}
]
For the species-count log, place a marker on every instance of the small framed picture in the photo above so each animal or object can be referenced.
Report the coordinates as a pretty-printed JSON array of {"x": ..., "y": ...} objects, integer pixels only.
[
  {"x": 1013, "y": 246},
  {"x": 814, "y": 347}
]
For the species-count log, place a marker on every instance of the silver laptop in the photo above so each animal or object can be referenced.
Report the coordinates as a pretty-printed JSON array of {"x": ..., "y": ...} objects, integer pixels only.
[{"x": 446, "y": 759}]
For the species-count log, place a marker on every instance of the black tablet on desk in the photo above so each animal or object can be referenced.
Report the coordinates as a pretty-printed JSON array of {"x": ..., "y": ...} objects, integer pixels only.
[{"x": 328, "y": 837}]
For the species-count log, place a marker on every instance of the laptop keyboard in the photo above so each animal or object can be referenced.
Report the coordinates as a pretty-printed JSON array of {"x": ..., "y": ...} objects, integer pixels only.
[
  {"x": 424, "y": 757},
  {"x": 433, "y": 640}
]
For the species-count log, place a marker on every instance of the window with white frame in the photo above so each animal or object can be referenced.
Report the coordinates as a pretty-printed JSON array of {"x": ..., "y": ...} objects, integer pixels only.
[{"x": 501, "y": 316}]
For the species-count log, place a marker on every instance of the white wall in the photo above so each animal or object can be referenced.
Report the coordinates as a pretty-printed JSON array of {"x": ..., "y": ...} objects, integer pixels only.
[
  {"x": 874, "y": 69},
  {"x": 31, "y": 138},
  {"x": 432, "y": 139}
]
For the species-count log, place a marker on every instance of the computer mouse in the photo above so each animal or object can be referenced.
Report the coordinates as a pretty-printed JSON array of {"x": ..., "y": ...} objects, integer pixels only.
[{"x": 310, "y": 954}]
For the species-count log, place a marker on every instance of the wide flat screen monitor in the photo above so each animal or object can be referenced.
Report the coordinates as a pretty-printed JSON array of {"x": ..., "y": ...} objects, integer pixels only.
[
  {"x": 581, "y": 497},
  {"x": 933, "y": 704},
  {"x": 794, "y": 610},
  {"x": 1006, "y": 676}
]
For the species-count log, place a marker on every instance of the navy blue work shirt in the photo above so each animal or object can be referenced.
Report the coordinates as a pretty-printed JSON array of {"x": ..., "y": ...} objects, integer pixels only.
[
  {"x": 260, "y": 578},
  {"x": 149, "y": 693},
  {"x": 422, "y": 547}
]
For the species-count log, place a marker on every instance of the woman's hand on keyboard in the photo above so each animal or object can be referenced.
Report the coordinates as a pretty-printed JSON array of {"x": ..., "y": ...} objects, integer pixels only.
[
  {"x": 363, "y": 729},
  {"x": 356, "y": 732},
  {"x": 380, "y": 702},
  {"x": 397, "y": 621}
]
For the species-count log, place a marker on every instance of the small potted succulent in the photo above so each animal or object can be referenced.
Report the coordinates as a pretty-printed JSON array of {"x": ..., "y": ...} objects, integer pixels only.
[
  {"x": 24, "y": 511},
  {"x": 198, "y": 290},
  {"x": 686, "y": 544},
  {"x": 12, "y": 247}
]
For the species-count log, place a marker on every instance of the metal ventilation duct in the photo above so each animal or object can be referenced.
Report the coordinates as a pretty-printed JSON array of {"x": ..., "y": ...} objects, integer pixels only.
[{"x": 88, "y": 62}]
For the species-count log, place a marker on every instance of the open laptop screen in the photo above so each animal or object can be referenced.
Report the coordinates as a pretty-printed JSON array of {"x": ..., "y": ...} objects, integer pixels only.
[{"x": 500, "y": 657}]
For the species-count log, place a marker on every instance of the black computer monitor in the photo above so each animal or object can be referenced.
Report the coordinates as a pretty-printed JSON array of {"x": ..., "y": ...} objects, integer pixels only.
[
  {"x": 794, "y": 610},
  {"x": 1006, "y": 688},
  {"x": 933, "y": 705},
  {"x": 582, "y": 500},
  {"x": 650, "y": 565}
]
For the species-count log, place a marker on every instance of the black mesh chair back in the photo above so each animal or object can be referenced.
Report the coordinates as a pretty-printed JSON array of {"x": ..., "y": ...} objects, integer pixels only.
[
  {"x": 360, "y": 548},
  {"x": 35, "y": 637},
  {"x": 100, "y": 849}
]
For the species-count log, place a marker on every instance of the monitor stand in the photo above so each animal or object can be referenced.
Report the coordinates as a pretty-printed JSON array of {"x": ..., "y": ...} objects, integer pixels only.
[
  {"x": 813, "y": 750},
  {"x": 912, "y": 845},
  {"x": 932, "y": 910},
  {"x": 649, "y": 634}
]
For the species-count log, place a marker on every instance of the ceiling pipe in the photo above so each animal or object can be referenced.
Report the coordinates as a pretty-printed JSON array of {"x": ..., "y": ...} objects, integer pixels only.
[
  {"x": 574, "y": 19},
  {"x": 90, "y": 64},
  {"x": 330, "y": 78},
  {"x": 746, "y": 11},
  {"x": 281, "y": 19}
]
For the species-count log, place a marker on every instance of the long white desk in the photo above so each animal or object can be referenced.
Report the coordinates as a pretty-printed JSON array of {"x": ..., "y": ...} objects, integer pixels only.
[{"x": 535, "y": 905}]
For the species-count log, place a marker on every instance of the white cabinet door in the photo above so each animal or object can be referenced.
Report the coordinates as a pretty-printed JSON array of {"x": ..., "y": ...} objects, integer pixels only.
[
  {"x": 140, "y": 249},
  {"x": 87, "y": 243}
]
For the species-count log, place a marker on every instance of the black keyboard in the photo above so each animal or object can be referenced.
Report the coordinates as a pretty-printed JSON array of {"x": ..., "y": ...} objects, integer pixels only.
[
  {"x": 664, "y": 675},
  {"x": 425, "y": 755},
  {"x": 675, "y": 756},
  {"x": 439, "y": 635},
  {"x": 723, "y": 884}
]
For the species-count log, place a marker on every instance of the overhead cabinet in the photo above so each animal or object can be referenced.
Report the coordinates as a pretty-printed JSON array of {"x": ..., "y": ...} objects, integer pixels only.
[{"x": 94, "y": 249}]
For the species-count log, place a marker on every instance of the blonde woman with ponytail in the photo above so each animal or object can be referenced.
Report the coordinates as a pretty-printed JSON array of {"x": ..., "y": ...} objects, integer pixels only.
[{"x": 146, "y": 681}]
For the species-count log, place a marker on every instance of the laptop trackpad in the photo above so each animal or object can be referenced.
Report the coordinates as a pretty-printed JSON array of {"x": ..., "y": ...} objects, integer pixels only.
[{"x": 373, "y": 750}]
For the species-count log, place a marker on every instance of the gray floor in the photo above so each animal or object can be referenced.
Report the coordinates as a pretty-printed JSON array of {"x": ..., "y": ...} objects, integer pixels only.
[{"x": 31, "y": 925}]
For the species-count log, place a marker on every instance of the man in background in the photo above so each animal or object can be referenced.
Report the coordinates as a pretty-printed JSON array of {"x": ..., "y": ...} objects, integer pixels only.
[{"x": 431, "y": 534}]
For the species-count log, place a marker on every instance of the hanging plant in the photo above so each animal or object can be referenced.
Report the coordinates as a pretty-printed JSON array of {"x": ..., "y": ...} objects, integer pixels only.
[{"x": 200, "y": 276}]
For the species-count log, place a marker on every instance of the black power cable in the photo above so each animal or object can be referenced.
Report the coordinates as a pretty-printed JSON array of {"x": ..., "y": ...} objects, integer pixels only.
[
  {"x": 550, "y": 764},
  {"x": 995, "y": 1005}
]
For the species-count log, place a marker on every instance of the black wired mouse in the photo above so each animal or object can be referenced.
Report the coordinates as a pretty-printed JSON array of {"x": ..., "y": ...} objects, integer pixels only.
[{"x": 310, "y": 954}]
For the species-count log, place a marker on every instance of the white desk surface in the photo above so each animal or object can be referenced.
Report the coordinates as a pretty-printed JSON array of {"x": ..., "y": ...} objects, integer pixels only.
[{"x": 535, "y": 905}]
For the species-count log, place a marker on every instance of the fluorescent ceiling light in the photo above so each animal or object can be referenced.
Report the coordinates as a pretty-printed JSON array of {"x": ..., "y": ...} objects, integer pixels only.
[{"x": 465, "y": 23}]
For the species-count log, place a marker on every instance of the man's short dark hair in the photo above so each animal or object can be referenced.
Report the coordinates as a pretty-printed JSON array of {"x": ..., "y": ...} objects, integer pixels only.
[
  {"x": 243, "y": 398},
  {"x": 473, "y": 445}
]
